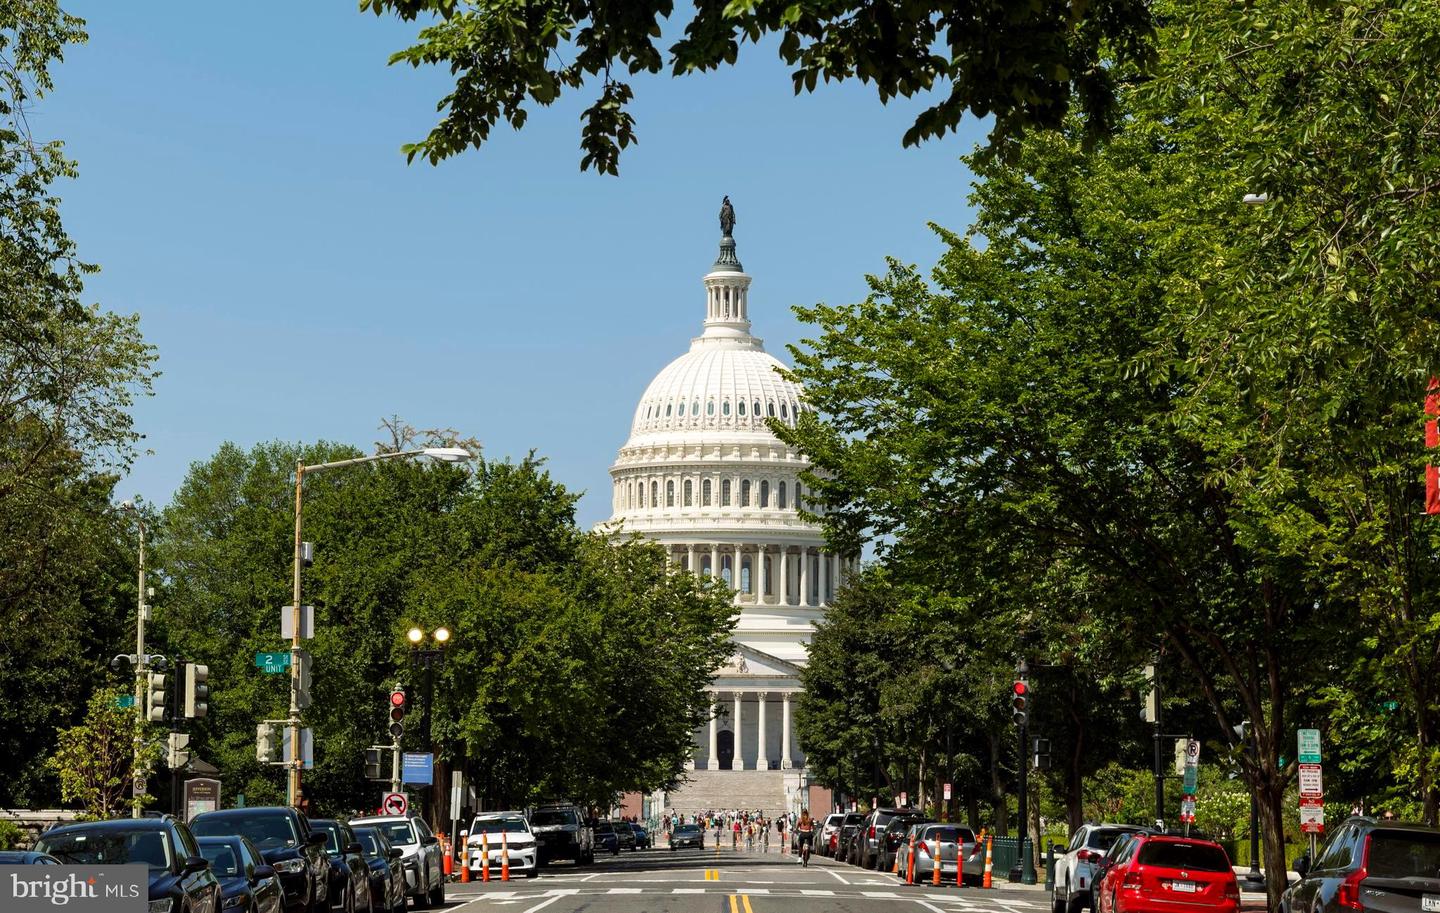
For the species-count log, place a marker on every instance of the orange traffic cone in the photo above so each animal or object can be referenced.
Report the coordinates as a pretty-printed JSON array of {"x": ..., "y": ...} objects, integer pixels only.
[
  {"x": 449, "y": 856},
  {"x": 959, "y": 862},
  {"x": 464, "y": 862},
  {"x": 484, "y": 857},
  {"x": 910, "y": 862},
  {"x": 935, "y": 864},
  {"x": 989, "y": 862},
  {"x": 504, "y": 857}
]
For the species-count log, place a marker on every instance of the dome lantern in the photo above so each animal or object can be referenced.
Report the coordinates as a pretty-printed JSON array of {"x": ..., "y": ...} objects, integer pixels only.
[{"x": 727, "y": 295}]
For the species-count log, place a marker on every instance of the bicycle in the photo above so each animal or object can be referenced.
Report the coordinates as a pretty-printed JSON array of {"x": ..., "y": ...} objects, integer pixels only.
[{"x": 805, "y": 840}]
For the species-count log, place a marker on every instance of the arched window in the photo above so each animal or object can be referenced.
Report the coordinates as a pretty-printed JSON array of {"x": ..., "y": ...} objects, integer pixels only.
[
  {"x": 689, "y": 500},
  {"x": 782, "y": 410},
  {"x": 630, "y": 496},
  {"x": 741, "y": 406},
  {"x": 745, "y": 576},
  {"x": 725, "y": 569},
  {"x": 772, "y": 409},
  {"x": 745, "y": 493},
  {"x": 705, "y": 493},
  {"x": 667, "y": 410},
  {"x": 710, "y": 407},
  {"x": 725, "y": 493},
  {"x": 670, "y": 494},
  {"x": 695, "y": 407},
  {"x": 780, "y": 497},
  {"x": 654, "y": 494},
  {"x": 799, "y": 497},
  {"x": 764, "y": 493},
  {"x": 725, "y": 407},
  {"x": 757, "y": 408}
]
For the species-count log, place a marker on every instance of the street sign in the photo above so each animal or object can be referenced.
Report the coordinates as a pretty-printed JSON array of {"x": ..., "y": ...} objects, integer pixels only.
[
  {"x": 1312, "y": 816},
  {"x": 1192, "y": 752},
  {"x": 947, "y": 792},
  {"x": 139, "y": 786},
  {"x": 307, "y": 746},
  {"x": 1309, "y": 740},
  {"x": 270, "y": 663},
  {"x": 125, "y": 702},
  {"x": 394, "y": 804},
  {"x": 904, "y": 799},
  {"x": 1190, "y": 777},
  {"x": 202, "y": 794},
  {"x": 307, "y": 621},
  {"x": 1187, "y": 810},
  {"x": 1311, "y": 785},
  {"x": 417, "y": 767}
]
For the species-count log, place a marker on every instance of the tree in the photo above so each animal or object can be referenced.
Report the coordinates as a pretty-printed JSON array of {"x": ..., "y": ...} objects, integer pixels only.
[
  {"x": 1025, "y": 64},
  {"x": 95, "y": 760}
]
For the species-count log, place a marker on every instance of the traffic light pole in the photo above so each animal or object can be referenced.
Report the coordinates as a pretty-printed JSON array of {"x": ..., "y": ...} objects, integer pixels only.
[
  {"x": 296, "y": 759},
  {"x": 142, "y": 676}
]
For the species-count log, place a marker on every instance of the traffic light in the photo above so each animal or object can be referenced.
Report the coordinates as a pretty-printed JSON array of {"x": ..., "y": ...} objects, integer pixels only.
[
  {"x": 302, "y": 694},
  {"x": 1020, "y": 700},
  {"x": 1042, "y": 754},
  {"x": 197, "y": 692},
  {"x": 176, "y": 755},
  {"x": 397, "y": 712},
  {"x": 155, "y": 697},
  {"x": 372, "y": 764},
  {"x": 265, "y": 743}
]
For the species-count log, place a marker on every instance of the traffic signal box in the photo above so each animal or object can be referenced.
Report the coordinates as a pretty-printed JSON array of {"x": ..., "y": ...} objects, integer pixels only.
[
  {"x": 398, "y": 706},
  {"x": 197, "y": 692},
  {"x": 1020, "y": 701},
  {"x": 155, "y": 697}
]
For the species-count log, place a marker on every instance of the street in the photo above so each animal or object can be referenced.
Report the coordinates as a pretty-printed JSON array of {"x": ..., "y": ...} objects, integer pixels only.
[{"x": 687, "y": 881}]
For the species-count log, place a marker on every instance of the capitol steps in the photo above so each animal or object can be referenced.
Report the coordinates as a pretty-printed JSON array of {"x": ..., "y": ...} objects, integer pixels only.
[{"x": 718, "y": 790}]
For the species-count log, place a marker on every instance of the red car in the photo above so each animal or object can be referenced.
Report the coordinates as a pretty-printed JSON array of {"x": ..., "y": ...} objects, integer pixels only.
[{"x": 1163, "y": 873}]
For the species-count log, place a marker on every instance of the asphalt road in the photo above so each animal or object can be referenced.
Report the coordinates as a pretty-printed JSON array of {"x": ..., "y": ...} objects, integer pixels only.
[{"x": 690, "y": 881}]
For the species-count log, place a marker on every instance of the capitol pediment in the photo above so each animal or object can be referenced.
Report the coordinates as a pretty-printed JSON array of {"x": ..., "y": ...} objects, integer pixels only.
[{"x": 752, "y": 662}]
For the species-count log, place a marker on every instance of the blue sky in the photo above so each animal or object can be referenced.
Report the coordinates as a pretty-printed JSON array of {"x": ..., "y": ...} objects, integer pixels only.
[{"x": 242, "y": 189}]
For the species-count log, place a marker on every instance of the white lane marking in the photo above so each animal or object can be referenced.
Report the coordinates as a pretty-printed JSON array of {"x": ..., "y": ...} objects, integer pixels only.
[
  {"x": 542, "y": 904},
  {"x": 561, "y": 892},
  {"x": 596, "y": 875},
  {"x": 688, "y": 891},
  {"x": 836, "y": 874},
  {"x": 822, "y": 892},
  {"x": 890, "y": 894},
  {"x": 928, "y": 906},
  {"x": 625, "y": 891},
  {"x": 755, "y": 890}
]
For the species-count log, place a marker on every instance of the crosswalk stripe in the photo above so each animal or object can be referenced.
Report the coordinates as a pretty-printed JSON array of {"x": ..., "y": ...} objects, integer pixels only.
[
  {"x": 817, "y": 893},
  {"x": 561, "y": 892},
  {"x": 688, "y": 891},
  {"x": 624, "y": 890}
]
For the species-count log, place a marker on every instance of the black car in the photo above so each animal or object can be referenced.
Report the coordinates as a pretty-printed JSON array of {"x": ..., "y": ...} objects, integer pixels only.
[
  {"x": 849, "y": 828},
  {"x": 893, "y": 835},
  {"x": 247, "y": 884},
  {"x": 288, "y": 844},
  {"x": 868, "y": 847},
  {"x": 26, "y": 857},
  {"x": 606, "y": 839},
  {"x": 561, "y": 833},
  {"x": 642, "y": 836},
  {"x": 178, "y": 873},
  {"x": 349, "y": 875},
  {"x": 1370, "y": 865},
  {"x": 387, "y": 876},
  {"x": 687, "y": 835},
  {"x": 624, "y": 834}
]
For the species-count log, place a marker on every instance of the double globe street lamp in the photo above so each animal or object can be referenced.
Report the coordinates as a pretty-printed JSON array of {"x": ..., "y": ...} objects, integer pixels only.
[
  {"x": 429, "y": 657},
  {"x": 296, "y": 757}
]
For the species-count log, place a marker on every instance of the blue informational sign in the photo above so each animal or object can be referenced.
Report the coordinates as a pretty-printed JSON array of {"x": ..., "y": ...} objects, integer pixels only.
[{"x": 417, "y": 767}]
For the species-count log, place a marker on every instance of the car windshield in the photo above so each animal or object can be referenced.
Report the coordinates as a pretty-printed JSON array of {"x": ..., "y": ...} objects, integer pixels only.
[
  {"x": 332, "y": 836},
  {"x": 948, "y": 834},
  {"x": 108, "y": 847},
  {"x": 1404, "y": 854},
  {"x": 221, "y": 858},
  {"x": 508, "y": 824},
  {"x": 547, "y": 819},
  {"x": 604, "y": 827},
  {"x": 1196, "y": 857},
  {"x": 687, "y": 829},
  {"x": 398, "y": 833},
  {"x": 369, "y": 842},
  {"x": 267, "y": 832},
  {"x": 1103, "y": 839}
]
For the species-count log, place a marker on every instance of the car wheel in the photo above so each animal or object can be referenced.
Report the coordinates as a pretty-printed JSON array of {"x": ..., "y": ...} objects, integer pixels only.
[
  {"x": 532, "y": 874},
  {"x": 1074, "y": 903},
  {"x": 437, "y": 895}
]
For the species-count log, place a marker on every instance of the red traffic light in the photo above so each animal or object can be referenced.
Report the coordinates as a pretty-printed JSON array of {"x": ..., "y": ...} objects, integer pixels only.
[
  {"x": 397, "y": 698},
  {"x": 1021, "y": 689}
]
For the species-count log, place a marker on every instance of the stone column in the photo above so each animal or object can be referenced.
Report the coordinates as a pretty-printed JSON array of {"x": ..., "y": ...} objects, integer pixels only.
[
  {"x": 735, "y": 574},
  {"x": 691, "y": 565},
  {"x": 714, "y": 560},
  {"x": 838, "y": 575},
  {"x": 764, "y": 578},
  {"x": 784, "y": 575},
  {"x": 804, "y": 576},
  {"x": 785, "y": 761},
  {"x": 762, "y": 752},
  {"x": 713, "y": 762},
  {"x": 739, "y": 763}
]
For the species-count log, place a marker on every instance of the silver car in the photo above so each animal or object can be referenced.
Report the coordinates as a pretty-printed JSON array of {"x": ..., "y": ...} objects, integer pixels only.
[{"x": 421, "y": 856}]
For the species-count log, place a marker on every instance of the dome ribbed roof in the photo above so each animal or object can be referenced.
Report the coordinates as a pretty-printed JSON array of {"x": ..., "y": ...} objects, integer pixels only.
[{"x": 725, "y": 386}]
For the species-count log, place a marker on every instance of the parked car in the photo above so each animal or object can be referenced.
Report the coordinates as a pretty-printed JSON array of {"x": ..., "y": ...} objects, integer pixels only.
[
  {"x": 349, "y": 875},
  {"x": 825, "y": 840},
  {"x": 948, "y": 844},
  {"x": 849, "y": 827},
  {"x": 894, "y": 834},
  {"x": 387, "y": 873},
  {"x": 1075, "y": 868},
  {"x": 498, "y": 833},
  {"x": 288, "y": 844},
  {"x": 563, "y": 833},
  {"x": 1369, "y": 864},
  {"x": 605, "y": 837},
  {"x": 869, "y": 845},
  {"x": 625, "y": 835},
  {"x": 421, "y": 856},
  {"x": 247, "y": 884},
  {"x": 1166, "y": 872},
  {"x": 1107, "y": 862},
  {"x": 687, "y": 835},
  {"x": 179, "y": 875},
  {"x": 26, "y": 857},
  {"x": 642, "y": 836}
]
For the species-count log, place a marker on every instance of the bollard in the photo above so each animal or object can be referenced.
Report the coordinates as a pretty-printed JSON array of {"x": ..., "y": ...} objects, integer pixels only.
[
  {"x": 504, "y": 857},
  {"x": 484, "y": 857},
  {"x": 936, "y": 863},
  {"x": 989, "y": 881},
  {"x": 959, "y": 861},
  {"x": 910, "y": 862},
  {"x": 1050, "y": 866}
]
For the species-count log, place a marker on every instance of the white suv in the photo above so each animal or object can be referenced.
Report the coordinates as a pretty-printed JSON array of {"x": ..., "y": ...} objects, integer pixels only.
[
  {"x": 1074, "y": 870},
  {"x": 495, "y": 833},
  {"x": 420, "y": 851}
]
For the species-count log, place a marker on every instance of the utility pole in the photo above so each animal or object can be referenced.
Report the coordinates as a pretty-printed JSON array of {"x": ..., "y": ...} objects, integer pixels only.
[
  {"x": 142, "y": 672},
  {"x": 297, "y": 755},
  {"x": 1153, "y": 715}
]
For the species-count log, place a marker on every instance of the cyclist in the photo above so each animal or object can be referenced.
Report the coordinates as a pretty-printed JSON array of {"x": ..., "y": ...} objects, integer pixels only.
[{"x": 805, "y": 833}]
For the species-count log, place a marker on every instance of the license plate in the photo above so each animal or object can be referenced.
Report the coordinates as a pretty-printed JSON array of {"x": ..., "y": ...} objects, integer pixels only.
[
  {"x": 1184, "y": 887},
  {"x": 1430, "y": 901}
]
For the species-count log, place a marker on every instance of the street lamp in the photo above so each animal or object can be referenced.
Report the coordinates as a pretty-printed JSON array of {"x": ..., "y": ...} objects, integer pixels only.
[
  {"x": 1254, "y": 877},
  {"x": 142, "y": 667},
  {"x": 429, "y": 657},
  {"x": 295, "y": 761}
]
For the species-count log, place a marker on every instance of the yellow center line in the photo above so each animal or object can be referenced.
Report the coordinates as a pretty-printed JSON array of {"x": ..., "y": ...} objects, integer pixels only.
[
  {"x": 745, "y": 899},
  {"x": 734, "y": 907}
]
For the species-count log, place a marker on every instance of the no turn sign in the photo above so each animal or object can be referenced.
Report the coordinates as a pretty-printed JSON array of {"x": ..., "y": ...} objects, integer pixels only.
[{"x": 394, "y": 804}]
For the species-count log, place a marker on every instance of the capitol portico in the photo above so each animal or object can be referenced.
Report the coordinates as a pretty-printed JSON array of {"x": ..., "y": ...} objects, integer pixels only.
[{"x": 703, "y": 475}]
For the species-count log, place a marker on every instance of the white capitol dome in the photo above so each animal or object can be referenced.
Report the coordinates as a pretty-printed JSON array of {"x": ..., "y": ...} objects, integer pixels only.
[{"x": 703, "y": 475}]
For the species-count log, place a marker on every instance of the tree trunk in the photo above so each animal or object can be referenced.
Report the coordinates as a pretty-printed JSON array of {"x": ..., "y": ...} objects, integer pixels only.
[
  {"x": 972, "y": 809},
  {"x": 1271, "y": 799},
  {"x": 1426, "y": 774},
  {"x": 997, "y": 789}
]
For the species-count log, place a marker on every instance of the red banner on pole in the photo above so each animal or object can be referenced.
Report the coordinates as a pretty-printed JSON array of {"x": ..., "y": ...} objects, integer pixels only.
[{"x": 1432, "y": 439}]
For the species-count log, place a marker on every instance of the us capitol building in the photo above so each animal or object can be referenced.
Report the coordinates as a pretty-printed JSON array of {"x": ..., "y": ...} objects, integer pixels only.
[{"x": 703, "y": 475}]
